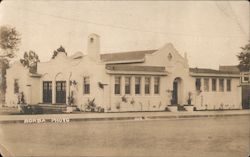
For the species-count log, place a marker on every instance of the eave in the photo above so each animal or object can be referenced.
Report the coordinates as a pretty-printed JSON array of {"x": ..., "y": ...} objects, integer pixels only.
[
  {"x": 125, "y": 61},
  {"x": 35, "y": 75},
  {"x": 165, "y": 73},
  {"x": 213, "y": 75}
]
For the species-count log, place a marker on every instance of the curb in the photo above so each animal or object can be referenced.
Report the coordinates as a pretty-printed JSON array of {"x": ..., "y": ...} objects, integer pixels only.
[{"x": 34, "y": 120}]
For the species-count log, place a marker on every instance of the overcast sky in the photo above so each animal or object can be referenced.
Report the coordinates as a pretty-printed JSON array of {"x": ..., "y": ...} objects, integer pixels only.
[{"x": 210, "y": 32}]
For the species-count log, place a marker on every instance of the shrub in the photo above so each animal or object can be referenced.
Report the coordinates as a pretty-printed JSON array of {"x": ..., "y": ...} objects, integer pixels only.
[{"x": 90, "y": 105}]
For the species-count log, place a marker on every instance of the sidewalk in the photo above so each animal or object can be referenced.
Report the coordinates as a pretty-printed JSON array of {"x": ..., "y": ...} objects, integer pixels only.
[{"x": 118, "y": 116}]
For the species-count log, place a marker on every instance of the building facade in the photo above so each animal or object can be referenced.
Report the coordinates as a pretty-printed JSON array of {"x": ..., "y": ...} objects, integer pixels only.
[{"x": 150, "y": 80}]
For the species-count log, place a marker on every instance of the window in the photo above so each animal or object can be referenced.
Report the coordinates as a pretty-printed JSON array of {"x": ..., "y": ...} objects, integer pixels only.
[
  {"x": 91, "y": 40},
  {"x": 198, "y": 84},
  {"x": 86, "y": 85},
  {"x": 137, "y": 85},
  {"x": 147, "y": 85},
  {"x": 16, "y": 86},
  {"x": 117, "y": 85},
  {"x": 206, "y": 84},
  {"x": 127, "y": 85},
  {"x": 214, "y": 84},
  {"x": 228, "y": 85},
  {"x": 156, "y": 85},
  {"x": 221, "y": 85},
  {"x": 245, "y": 79}
]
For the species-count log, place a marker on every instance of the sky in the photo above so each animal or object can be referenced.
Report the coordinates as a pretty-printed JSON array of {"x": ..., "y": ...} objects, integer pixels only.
[{"x": 210, "y": 32}]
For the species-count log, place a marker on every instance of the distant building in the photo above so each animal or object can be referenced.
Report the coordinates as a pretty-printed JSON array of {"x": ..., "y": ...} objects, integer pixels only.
[{"x": 150, "y": 80}]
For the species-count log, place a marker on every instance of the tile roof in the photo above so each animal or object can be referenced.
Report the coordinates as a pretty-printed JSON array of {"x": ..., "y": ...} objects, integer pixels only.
[
  {"x": 122, "y": 67},
  {"x": 125, "y": 56},
  {"x": 212, "y": 71},
  {"x": 233, "y": 68}
]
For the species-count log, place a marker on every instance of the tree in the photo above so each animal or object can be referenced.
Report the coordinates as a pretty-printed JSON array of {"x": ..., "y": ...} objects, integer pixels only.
[
  {"x": 4, "y": 64},
  {"x": 30, "y": 60},
  {"x": 9, "y": 41},
  {"x": 60, "y": 49},
  {"x": 244, "y": 58}
]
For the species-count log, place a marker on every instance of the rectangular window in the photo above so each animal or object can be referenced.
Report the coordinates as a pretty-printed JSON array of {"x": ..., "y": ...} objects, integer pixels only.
[
  {"x": 86, "y": 85},
  {"x": 198, "y": 84},
  {"x": 127, "y": 85},
  {"x": 16, "y": 86},
  {"x": 245, "y": 77},
  {"x": 147, "y": 85},
  {"x": 214, "y": 86},
  {"x": 137, "y": 85},
  {"x": 156, "y": 85},
  {"x": 228, "y": 85},
  {"x": 206, "y": 84},
  {"x": 117, "y": 85},
  {"x": 221, "y": 85}
]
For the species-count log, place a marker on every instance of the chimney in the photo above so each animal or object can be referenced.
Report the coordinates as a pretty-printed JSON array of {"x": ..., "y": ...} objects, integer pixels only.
[{"x": 94, "y": 46}]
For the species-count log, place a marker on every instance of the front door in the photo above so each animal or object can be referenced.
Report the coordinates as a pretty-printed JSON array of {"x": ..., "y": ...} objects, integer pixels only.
[
  {"x": 175, "y": 92},
  {"x": 47, "y": 92},
  {"x": 61, "y": 92}
]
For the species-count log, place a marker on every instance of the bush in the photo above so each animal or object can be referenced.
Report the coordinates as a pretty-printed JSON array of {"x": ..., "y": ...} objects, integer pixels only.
[
  {"x": 29, "y": 109},
  {"x": 26, "y": 109}
]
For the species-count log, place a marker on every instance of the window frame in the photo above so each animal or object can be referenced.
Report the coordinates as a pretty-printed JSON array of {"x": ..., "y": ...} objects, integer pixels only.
[
  {"x": 196, "y": 84},
  {"x": 127, "y": 85},
  {"x": 230, "y": 85},
  {"x": 245, "y": 77},
  {"x": 137, "y": 86},
  {"x": 147, "y": 86},
  {"x": 214, "y": 84},
  {"x": 221, "y": 85},
  {"x": 206, "y": 84},
  {"x": 117, "y": 87},
  {"x": 157, "y": 86},
  {"x": 86, "y": 85},
  {"x": 16, "y": 86}
]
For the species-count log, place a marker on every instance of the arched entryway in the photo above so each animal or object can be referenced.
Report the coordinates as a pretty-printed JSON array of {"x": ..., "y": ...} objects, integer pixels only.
[{"x": 177, "y": 91}]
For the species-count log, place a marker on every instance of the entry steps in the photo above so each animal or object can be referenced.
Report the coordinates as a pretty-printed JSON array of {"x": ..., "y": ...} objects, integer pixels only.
[{"x": 53, "y": 108}]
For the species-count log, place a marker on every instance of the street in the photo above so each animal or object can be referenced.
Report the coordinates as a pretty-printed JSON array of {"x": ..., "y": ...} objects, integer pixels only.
[{"x": 188, "y": 137}]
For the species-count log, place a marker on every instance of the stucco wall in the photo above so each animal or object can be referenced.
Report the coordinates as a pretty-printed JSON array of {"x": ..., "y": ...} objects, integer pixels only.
[
  {"x": 142, "y": 101},
  {"x": 217, "y": 99},
  {"x": 17, "y": 71},
  {"x": 64, "y": 68}
]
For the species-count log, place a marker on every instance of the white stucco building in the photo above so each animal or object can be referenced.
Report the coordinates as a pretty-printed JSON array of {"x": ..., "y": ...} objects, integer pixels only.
[{"x": 148, "y": 80}]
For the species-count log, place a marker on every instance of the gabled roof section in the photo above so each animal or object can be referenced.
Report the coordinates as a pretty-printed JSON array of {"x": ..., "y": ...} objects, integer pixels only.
[
  {"x": 126, "y": 57},
  {"x": 134, "y": 69},
  {"x": 211, "y": 71},
  {"x": 124, "y": 67}
]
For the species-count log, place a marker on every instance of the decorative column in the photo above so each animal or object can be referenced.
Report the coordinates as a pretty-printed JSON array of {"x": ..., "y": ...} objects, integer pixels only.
[
  {"x": 54, "y": 91},
  {"x": 151, "y": 88},
  {"x": 122, "y": 85},
  {"x": 132, "y": 85},
  {"x": 142, "y": 86}
]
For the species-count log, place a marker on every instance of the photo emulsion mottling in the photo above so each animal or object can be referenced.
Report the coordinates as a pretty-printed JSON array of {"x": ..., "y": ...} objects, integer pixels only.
[{"x": 124, "y": 78}]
